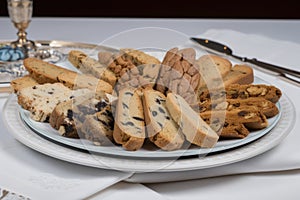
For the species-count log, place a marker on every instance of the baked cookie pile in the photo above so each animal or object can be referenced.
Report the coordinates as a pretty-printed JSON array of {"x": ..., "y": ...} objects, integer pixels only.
[{"x": 130, "y": 97}]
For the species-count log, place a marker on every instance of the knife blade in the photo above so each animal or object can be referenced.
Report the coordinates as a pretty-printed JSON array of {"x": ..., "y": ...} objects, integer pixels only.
[{"x": 223, "y": 49}]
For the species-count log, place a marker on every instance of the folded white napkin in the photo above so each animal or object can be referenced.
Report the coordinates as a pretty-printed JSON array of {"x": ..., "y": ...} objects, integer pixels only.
[
  {"x": 37, "y": 176},
  {"x": 285, "y": 156}
]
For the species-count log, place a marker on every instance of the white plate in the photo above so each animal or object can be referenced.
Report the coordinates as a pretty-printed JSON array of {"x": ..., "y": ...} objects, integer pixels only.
[
  {"x": 148, "y": 150},
  {"x": 29, "y": 138}
]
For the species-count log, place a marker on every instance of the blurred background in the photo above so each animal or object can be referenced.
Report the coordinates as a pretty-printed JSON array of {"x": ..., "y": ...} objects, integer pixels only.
[{"x": 246, "y": 9}]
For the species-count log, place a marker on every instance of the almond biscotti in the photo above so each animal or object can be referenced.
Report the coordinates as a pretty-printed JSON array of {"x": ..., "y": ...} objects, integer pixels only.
[
  {"x": 237, "y": 91},
  {"x": 251, "y": 117},
  {"x": 88, "y": 65},
  {"x": 196, "y": 130},
  {"x": 161, "y": 128},
  {"x": 268, "y": 108},
  {"x": 129, "y": 128}
]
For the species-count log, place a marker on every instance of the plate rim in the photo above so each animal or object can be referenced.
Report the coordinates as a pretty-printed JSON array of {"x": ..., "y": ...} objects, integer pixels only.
[
  {"x": 157, "y": 154},
  {"x": 33, "y": 141}
]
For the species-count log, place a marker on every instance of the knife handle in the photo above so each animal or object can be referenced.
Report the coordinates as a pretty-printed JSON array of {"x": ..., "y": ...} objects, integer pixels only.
[{"x": 272, "y": 67}]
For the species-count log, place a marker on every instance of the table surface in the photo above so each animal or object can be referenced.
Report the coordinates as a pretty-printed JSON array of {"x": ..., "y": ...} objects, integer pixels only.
[{"x": 97, "y": 30}]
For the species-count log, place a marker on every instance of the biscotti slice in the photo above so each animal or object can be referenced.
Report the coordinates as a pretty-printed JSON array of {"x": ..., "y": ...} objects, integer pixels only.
[
  {"x": 139, "y": 57},
  {"x": 251, "y": 117},
  {"x": 40, "y": 100},
  {"x": 67, "y": 117},
  {"x": 23, "y": 82},
  {"x": 196, "y": 130},
  {"x": 45, "y": 72},
  {"x": 77, "y": 81},
  {"x": 268, "y": 108},
  {"x": 148, "y": 65},
  {"x": 212, "y": 68},
  {"x": 179, "y": 74},
  {"x": 161, "y": 128},
  {"x": 239, "y": 74},
  {"x": 88, "y": 65},
  {"x": 268, "y": 92},
  {"x": 98, "y": 127},
  {"x": 226, "y": 128},
  {"x": 234, "y": 130},
  {"x": 237, "y": 91},
  {"x": 129, "y": 129},
  {"x": 62, "y": 119}
]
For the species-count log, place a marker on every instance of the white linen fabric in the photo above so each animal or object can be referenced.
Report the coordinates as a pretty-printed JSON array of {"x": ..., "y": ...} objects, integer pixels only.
[
  {"x": 37, "y": 176},
  {"x": 274, "y": 174},
  {"x": 284, "y": 156},
  {"x": 40, "y": 177}
]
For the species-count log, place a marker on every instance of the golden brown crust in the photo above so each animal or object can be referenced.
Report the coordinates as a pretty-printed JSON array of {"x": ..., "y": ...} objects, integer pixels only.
[
  {"x": 267, "y": 107},
  {"x": 239, "y": 74},
  {"x": 237, "y": 91},
  {"x": 129, "y": 128},
  {"x": 23, "y": 82},
  {"x": 196, "y": 131},
  {"x": 88, "y": 65},
  {"x": 161, "y": 128}
]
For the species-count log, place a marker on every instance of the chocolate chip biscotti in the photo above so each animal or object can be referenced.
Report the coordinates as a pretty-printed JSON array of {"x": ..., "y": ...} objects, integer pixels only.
[
  {"x": 162, "y": 130},
  {"x": 129, "y": 128},
  {"x": 67, "y": 117},
  {"x": 98, "y": 128},
  {"x": 40, "y": 100}
]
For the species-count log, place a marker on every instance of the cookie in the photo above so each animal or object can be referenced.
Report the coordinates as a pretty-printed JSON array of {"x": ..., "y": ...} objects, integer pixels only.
[
  {"x": 88, "y": 65},
  {"x": 23, "y": 82},
  {"x": 179, "y": 74},
  {"x": 196, "y": 130},
  {"x": 129, "y": 128},
  {"x": 98, "y": 127},
  {"x": 161, "y": 128},
  {"x": 237, "y": 91}
]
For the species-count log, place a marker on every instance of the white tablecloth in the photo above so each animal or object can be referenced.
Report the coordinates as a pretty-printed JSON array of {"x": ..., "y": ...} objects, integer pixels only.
[{"x": 273, "y": 41}]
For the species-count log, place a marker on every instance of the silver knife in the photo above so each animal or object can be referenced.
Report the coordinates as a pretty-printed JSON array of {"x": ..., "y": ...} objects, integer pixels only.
[{"x": 219, "y": 48}]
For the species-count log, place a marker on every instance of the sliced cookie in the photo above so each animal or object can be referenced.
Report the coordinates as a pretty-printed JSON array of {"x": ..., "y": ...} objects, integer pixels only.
[
  {"x": 196, "y": 130},
  {"x": 88, "y": 65},
  {"x": 161, "y": 128},
  {"x": 98, "y": 127},
  {"x": 129, "y": 128}
]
